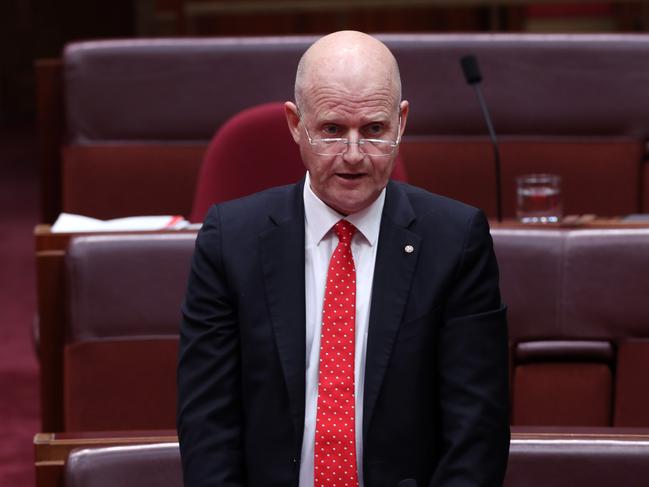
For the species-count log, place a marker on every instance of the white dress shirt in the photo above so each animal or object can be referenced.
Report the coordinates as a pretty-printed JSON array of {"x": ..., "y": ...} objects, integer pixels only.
[{"x": 320, "y": 242}]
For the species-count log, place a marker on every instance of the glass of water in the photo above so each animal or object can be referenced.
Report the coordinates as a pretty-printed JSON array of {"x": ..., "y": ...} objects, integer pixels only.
[{"x": 538, "y": 198}]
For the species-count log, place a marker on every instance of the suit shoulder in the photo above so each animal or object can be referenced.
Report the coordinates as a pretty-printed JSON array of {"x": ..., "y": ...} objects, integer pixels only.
[{"x": 254, "y": 210}]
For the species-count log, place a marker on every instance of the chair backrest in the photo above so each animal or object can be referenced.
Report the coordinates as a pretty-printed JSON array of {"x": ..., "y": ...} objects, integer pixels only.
[
  {"x": 123, "y": 304},
  {"x": 549, "y": 459},
  {"x": 155, "y": 465},
  {"x": 578, "y": 325},
  {"x": 569, "y": 460},
  {"x": 252, "y": 151},
  {"x": 139, "y": 114}
]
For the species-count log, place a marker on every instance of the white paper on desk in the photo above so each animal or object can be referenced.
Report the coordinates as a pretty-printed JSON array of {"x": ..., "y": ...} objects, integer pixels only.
[{"x": 69, "y": 223}]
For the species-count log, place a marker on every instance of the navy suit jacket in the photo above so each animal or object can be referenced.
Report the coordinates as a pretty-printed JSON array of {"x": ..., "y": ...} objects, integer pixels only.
[{"x": 436, "y": 381}]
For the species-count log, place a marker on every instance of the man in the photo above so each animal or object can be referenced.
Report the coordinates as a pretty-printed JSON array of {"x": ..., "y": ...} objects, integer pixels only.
[{"x": 361, "y": 352}]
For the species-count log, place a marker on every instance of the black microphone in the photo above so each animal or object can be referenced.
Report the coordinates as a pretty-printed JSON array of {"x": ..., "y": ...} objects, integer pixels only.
[
  {"x": 471, "y": 70},
  {"x": 408, "y": 483},
  {"x": 473, "y": 77}
]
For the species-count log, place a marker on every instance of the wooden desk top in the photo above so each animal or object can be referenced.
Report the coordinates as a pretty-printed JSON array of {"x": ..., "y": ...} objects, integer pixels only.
[
  {"x": 575, "y": 222},
  {"x": 48, "y": 241},
  {"x": 55, "y": 447}
]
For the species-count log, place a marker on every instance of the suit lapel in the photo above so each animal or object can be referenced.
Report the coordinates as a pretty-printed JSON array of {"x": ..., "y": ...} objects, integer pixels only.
[
  {"x": 393, "y": 273},
  {"x": 283, "y": 268}
]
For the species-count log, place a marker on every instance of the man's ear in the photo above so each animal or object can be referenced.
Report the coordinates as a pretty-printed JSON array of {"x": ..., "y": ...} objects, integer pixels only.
[
  {"x": 404, "y": 109},
  {"x": 293, "y": 120}
]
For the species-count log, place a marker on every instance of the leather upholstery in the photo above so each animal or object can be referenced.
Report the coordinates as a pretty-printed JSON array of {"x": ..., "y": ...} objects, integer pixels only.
[
  {"x": 606, "y": 283},
  {"x": 579, "y": 461},
  {"x": 530, "y": 270},
  {"x": 535, "y": 460},
  {"x": 586, "y": 350},
  {"x": 578, "y": 327},
  {"x": 154, "y": 465},
  {"x": 124, "y": 295},
  {"x": 111, "y": 180},
  {"x": 200, "y": 83},
  {"x": 126, "y": 286},
  {"x": 577, "y": 284},
  {"x": 163, "y": 93}
]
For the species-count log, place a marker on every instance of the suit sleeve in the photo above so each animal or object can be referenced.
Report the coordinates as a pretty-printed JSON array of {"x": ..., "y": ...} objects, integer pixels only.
[
  {"x": 473, "y": 376},
  {"x": 209, "y": 376}
]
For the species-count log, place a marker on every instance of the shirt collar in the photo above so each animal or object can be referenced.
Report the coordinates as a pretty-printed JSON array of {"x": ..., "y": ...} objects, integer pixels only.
[{"x": 320, "y": 218}]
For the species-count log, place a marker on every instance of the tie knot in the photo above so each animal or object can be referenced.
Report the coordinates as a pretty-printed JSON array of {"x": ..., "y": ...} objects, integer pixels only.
[{"x": 344, "y": 230}]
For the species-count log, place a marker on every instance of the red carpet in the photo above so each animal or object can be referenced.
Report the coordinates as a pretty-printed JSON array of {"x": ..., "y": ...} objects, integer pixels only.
[{"x": 19, "y": 408}]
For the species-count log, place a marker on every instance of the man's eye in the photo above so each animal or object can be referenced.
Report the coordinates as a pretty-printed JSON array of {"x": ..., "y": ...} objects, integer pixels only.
[
  {"x": 374, "y": 129},
  {"x": 330, "y": 130}
]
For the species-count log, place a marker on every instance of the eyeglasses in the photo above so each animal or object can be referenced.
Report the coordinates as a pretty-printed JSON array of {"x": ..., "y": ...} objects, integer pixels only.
[{"x": 338, "y": 146}]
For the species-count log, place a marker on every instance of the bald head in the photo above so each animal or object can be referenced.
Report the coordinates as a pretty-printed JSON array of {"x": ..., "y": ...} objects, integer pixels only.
[
  {"x": 348, "y": 118},
  {"x": 347, "y": 58}
]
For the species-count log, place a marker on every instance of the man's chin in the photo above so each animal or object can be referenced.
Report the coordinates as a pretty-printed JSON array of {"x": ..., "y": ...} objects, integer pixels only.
[{"x": 350, "y": 202}]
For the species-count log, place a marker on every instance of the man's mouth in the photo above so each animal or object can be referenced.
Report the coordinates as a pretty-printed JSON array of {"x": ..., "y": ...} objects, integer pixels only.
[{"x": 350, "y": 176}]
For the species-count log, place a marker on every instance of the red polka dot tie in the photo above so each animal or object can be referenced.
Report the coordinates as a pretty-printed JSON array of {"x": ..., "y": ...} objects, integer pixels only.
[{"x": 335, "y": 437}]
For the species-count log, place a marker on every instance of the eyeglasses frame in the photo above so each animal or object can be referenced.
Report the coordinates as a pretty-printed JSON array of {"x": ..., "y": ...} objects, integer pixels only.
[{"x": 359, "y": 143}]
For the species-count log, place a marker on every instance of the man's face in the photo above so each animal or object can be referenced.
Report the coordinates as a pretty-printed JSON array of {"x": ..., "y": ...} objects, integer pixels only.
[{"x": 351, "y": 181}]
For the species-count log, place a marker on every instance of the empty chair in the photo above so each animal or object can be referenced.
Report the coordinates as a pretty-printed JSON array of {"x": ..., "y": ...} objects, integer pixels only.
[
  {"x": 578, "y": 325},
  {"x": 119, "y": 360}
]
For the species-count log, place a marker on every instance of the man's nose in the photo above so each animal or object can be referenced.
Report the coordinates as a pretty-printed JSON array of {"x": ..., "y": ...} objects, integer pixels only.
[{"x": 353, "y": 154}]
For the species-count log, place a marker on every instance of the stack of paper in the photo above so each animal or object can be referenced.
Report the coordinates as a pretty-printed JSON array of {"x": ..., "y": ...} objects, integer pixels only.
[{"x": 69, "y": 223}]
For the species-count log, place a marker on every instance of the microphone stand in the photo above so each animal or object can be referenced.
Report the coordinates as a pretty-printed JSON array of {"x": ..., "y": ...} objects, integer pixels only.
[{"x": 473, "y": 77}]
